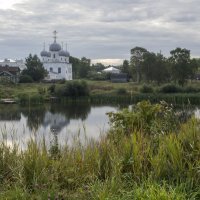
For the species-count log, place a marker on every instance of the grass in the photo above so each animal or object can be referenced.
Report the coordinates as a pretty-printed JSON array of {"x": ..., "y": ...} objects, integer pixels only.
[
  {"x": 118, "y": 166},
  {"x": 104, "y": 92}
]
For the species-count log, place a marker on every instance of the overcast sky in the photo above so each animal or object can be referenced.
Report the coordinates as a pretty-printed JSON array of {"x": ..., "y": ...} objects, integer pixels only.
[{"x": 99, "y": 29}]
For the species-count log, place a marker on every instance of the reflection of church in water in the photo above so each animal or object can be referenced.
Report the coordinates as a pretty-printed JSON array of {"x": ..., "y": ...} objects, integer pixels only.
[{"x": 56, "y": 121}]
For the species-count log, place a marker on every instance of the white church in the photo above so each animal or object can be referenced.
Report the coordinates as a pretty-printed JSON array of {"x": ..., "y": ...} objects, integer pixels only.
[{"x": 56, "y": 62}]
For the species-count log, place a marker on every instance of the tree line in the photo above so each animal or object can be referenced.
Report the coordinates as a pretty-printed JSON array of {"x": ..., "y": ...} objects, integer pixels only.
[
  {"x": 144, "y": 66},
  {"x": 151, "y": 67}
]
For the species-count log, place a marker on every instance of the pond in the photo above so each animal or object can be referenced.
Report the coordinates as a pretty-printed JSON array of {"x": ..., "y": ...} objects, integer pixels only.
[{"x": 19, "y": 124}]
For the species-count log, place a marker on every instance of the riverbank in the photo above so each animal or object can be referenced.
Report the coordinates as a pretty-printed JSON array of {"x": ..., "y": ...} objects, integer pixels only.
[
  {"x": 152, "y": 161},
  {"x": 103, "y": 92}
]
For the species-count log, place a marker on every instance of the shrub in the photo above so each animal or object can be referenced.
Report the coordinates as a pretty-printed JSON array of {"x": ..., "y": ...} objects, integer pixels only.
[
  {"x": 146, "y": 117},
  {"x": 52, "y": 88},
  {"x": 25, "y": 79},
  {"x": 41, "y": 90},
  {"x": 23, "y": 98},
  {"x": 62, "y": 81},
  {"x": 170, "y": 88},
  {"x": 190, "y": 89},
  {"x": 121, "y": 91},
  {"x": 146, "y": 89},
  {"x": 73, "y": 89}
]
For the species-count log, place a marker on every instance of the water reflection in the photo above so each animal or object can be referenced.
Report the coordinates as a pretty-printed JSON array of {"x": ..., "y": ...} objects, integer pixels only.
[
  {"x": 60, "y": 123},
  {"x": 54, "y": 115}
]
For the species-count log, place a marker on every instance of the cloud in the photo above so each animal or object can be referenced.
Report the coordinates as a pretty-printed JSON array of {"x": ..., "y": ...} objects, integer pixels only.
[{"x": 105, "y": 29}]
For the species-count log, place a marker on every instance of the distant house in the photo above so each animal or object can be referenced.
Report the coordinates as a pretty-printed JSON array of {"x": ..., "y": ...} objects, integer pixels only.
[
  {"x": 13, "y": 63},
  {"x": 119, "y": 78},
  {"x": 112, "y": 70},
  {"x": 10, "y": 74}
]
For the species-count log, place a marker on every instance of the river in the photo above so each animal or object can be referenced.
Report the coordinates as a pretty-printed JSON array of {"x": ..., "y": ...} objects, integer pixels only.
[{"x": 19, "y": 124}]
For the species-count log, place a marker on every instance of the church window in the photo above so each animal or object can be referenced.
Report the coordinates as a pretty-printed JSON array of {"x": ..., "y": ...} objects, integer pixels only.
[
  {"x": 54, "y": 55},
  {"x": 51, "y": 69},
  {"x": 59, "y": 70}
]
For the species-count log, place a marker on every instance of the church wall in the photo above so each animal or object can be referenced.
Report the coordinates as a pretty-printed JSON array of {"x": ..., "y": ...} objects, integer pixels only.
[{"x": 65, "y": 71}]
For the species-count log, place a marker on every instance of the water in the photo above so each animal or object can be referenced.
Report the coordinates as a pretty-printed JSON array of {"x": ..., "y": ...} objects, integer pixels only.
[
  {"x": 66, "y": 122},
  {"x": 19, "y": 124}
]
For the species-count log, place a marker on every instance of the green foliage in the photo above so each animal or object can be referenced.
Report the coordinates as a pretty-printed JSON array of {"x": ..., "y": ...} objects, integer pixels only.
[
  {"x": 34, "y": 68},
  {"x": 25, "y": 79},
  {"x": 98, "y": 76},
  {"x": 51, "y": 88},
  {"x": 31, "y": 99},
  {"x": 146, "y": 89},
  {"x": 146, "y": 117},
  {"x": 121, "y": 91},
  {"x": 81, "y": 67},
  {"x": 183, "y": 67},
  {"x": 137, "y": 56},
  {"x": 170, "y": 88},
  {"x": 117, "y": 166},
  {"x": 73, "y": 89},
  {"x": 62, "y": 81},
  {"x": 155, "y": 68},
  {"x": 41, "y": 90},
  {"x": 125, "y": 68},
  {"x": 190, "y": 89}
]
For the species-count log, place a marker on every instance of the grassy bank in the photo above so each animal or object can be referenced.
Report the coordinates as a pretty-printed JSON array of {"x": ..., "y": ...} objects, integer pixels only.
[
  {"x": 103, "y": 92},
  {"x": 150, "y": 160}
]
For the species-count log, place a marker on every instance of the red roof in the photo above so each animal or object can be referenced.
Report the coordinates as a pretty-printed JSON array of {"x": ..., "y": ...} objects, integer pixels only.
[
  {"x": 9, "y": 69},
  {"x": 12, "y": 70}
]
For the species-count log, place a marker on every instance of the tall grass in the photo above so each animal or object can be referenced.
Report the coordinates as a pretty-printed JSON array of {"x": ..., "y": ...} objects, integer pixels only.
[{"x": 118, "y": 166}]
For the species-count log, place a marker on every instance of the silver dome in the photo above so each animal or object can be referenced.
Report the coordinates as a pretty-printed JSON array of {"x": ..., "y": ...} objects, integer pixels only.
[
  {"x": 55, "y": 47},
  {"x": 64, "y": 53},
  {"x": 44, "y": 53}
]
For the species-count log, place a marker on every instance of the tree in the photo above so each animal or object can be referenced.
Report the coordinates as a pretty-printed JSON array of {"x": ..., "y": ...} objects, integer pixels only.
[
  {"x": 81, "y": 67},
  {"x": 155, "y": 67},
  {"x": 125, "y": 67},
  {"x": 183, "y": 67},
  {"x": 98, "y": 67},
  {"x": 137, "y": 54},
  {"x": 34, "y": 68},
  {"x": 84, "y": 67}
]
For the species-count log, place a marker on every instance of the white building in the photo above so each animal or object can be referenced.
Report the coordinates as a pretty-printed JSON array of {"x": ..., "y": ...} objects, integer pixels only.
[
  {"x": 112, "y": 70},
  {"x": 13, "y": 63},
  {"x": 56, "y": 62}
]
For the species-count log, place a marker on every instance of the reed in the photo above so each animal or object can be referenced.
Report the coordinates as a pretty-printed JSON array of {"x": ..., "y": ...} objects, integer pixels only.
[{"x": 117, "y": 166}]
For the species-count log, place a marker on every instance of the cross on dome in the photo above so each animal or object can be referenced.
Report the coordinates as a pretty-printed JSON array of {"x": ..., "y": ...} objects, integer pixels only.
[{"x": 55, "y": 35}]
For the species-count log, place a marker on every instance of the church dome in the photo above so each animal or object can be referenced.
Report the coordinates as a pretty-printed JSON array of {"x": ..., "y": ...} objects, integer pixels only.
[
  {"x": 55, "y": 47},
  {"x": 64, "y": 53},
  {"x": 44, "y": 53}
]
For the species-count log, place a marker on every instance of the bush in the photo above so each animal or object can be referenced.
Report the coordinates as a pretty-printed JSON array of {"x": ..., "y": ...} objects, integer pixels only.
[
  {"x": 170, "y": 88},
  {"x": 121, "y": 91},
  {"x": 146, "y": 117},
  {"x": 62, "y": 81},
  {"x": 25, "y": 79},
  {"x": 52, "y": 88},
  {"x": 146, "y": 89},
  {"x": 73, "y": 89},
  {"x": 190, "y": 89},
  {"x": 41, "y": 90}
]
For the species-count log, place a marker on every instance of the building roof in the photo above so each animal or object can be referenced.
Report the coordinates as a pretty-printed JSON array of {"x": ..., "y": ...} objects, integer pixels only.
[
  {"x": 111, "y": 69},
  {"x": 12, "y": 70}
]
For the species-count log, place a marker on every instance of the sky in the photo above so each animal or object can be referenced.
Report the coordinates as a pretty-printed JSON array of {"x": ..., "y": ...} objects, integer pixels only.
[{"x": 102, "y": 30}]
